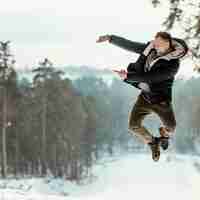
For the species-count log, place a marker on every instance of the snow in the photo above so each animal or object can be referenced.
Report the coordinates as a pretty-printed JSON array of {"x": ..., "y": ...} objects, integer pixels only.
[{"x": 132, "y": 176}]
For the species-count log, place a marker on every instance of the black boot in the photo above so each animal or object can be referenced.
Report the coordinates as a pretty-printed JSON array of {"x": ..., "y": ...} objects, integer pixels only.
[
  {"x": 164, "y": 142},
  {"x": 155, "y": 148}
]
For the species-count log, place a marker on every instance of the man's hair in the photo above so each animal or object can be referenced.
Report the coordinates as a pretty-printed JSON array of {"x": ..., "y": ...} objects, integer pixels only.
[{"x": 165, "y": 36}]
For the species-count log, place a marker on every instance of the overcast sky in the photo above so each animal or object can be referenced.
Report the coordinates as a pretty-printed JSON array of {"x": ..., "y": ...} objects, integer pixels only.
[{"x": 66, "y": 31}]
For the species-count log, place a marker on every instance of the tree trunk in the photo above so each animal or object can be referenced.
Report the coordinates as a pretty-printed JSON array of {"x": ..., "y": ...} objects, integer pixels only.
[
  {"x": 17, "y": 154},
  {"x": 44, "y": 167},
  {"x": 4, "y": 126}
]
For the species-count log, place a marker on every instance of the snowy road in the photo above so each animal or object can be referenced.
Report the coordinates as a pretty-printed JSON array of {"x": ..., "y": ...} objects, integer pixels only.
[{"x": 127, "y": 178}]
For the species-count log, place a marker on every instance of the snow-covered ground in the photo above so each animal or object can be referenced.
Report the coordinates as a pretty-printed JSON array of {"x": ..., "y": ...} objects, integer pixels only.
[{"x": 129, "y": 177}]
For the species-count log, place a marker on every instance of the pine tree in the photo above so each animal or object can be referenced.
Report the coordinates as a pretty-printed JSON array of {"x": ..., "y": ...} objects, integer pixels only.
[{"x": 44, "y": 72}]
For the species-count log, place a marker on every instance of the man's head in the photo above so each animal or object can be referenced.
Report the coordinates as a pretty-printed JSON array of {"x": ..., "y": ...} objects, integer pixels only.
[{"x": 163, "y": 42}]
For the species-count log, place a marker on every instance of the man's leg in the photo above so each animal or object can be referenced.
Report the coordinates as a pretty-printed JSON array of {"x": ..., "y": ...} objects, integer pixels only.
[
  {"x": 136, "y": 116},
  {"x": 141, "y": 109},
  {"x": 167, "y": 116}
]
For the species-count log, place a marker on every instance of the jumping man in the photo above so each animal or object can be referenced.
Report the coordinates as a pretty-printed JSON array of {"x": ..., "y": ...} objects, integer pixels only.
[{"x": 153, "y": 73}]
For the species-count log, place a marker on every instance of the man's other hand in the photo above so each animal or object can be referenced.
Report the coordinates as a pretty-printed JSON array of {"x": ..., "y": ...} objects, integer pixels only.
[
  {"x": 122, "y": 73},
  {"x": 103, "y": 38}
]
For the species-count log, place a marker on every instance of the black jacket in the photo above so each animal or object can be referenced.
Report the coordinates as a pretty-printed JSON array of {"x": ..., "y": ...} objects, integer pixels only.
[{"x": 160, "y": 78}]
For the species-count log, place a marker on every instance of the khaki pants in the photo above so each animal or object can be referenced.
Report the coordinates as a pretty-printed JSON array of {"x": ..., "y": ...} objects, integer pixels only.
[{"x": 141, "y": 109}]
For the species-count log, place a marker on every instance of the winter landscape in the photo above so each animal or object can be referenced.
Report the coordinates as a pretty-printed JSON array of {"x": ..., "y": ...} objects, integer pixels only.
[{"x": 64, "y": 129}]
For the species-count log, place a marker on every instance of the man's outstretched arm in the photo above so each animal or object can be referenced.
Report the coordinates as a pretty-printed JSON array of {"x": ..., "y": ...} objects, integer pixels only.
[{"x": 136, "y": 47}]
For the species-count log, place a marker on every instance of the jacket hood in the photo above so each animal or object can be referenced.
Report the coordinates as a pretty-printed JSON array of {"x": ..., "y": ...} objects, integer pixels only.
[{"x": 181, "y": 49}]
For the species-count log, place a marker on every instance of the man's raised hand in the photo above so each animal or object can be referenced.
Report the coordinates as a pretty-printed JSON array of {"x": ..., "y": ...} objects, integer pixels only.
[
  {"x": 122, "y": 73},
  {"x": 103, "y": 38}
]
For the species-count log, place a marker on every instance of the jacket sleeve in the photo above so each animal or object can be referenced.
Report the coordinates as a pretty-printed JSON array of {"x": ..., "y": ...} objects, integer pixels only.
[
  {"x": 131, "y": 67},
  {"x": 133, "y": 83},
  {"x": 164, "y": 72},
  {"x": 138, "y": 66},
  {"x": 126, "y": 44}
]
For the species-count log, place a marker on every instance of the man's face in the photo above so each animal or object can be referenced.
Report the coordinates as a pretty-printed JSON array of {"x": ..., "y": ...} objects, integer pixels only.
[{"x": 161, "y": 45}]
